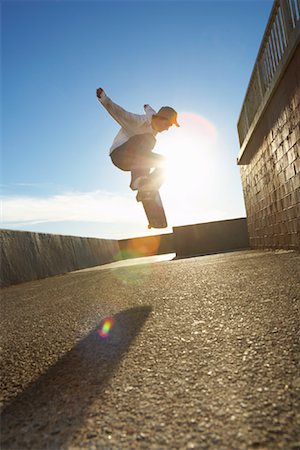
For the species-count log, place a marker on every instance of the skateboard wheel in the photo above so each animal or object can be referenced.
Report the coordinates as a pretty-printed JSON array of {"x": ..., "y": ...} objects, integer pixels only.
[{"x": 149, "y": 227}]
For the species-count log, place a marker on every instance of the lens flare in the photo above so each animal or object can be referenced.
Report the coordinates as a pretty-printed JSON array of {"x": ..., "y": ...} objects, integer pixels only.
[
  {"x": 106, "y": 327},
  {"x": 136, "y": 248},
  {"x": 140, "y": 246},
  {"x": 190, "y": 152},
  {"x": 192, "y": 162}
]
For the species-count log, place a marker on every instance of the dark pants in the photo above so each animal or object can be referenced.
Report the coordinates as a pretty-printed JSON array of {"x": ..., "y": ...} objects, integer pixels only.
[{"x": 136, "y": 156}]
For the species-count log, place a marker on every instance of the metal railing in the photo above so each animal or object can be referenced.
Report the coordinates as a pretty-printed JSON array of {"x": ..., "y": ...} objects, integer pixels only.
[{"x": 283, "y": 23}]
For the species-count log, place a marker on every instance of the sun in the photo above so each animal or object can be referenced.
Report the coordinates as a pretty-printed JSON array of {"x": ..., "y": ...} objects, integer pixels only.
[{"x": 189, "y": 151}]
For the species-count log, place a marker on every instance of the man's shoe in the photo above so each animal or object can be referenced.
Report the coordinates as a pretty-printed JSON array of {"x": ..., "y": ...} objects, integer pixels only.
[
  {"x": 144, "y": 184},
  {"x": 137, "y": 184}
]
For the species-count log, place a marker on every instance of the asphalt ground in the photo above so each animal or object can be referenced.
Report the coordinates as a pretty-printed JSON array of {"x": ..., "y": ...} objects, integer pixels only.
[{"x": 199, "y": 353}]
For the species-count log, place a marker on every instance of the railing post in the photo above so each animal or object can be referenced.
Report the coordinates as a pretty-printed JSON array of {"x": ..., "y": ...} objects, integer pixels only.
[
  {"x": 247, "y": 115},
  {"x": 287, "y": 19},
  {"x": 260, "y": 79}
]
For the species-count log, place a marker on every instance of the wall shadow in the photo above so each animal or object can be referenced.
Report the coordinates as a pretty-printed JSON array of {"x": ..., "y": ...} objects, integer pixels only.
[{"x": 49, "y": 411}]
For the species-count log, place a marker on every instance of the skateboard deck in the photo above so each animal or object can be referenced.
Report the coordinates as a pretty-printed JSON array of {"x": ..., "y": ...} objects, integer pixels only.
[{"x": 154, "y": 210}]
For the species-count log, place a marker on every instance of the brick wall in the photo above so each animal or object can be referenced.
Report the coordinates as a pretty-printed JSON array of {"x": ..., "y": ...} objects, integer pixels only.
[{"x": 271, "y": 180}]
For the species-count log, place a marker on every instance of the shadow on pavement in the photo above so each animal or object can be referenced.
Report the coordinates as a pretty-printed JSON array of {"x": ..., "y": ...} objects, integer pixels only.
[{"x": 49, "y": 411}]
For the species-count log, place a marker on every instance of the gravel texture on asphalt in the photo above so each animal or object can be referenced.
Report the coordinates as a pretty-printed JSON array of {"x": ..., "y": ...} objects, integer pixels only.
[{"x": 202, "y": 353}]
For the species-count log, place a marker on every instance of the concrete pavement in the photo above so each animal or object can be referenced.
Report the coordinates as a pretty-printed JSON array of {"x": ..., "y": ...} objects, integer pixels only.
[{"x": 203, "y": 353}]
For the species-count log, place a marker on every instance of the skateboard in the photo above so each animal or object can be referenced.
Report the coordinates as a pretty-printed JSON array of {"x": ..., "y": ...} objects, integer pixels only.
[{"x": 153, "y": 208}]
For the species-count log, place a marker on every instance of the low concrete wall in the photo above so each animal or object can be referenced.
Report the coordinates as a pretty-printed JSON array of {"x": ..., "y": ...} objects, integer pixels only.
[
  {"x": 212, "y": 237},
  {"x": 147, "y": 246},
  {"x": 27, "y": 256}
]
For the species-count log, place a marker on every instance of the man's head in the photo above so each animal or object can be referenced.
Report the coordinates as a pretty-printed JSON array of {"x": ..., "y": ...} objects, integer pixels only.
[{"x": 164, "y": 119}]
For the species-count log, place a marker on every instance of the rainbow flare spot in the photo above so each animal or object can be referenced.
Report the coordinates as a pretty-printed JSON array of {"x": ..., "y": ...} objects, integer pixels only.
[{"x": 107, "y": 325}]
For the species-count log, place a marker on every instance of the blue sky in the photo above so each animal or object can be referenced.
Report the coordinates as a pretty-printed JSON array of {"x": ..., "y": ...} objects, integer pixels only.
[{"x": 195, "y": 56}]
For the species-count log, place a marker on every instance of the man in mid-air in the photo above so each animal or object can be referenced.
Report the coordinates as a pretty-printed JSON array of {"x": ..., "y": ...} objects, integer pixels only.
[{"x": 132, "y": 147}]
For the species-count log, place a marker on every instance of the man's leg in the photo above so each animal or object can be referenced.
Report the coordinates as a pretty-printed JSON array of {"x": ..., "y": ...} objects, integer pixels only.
[
  {"x": 144, "y": 160},
  {"x": 136, "y": 156},
  {"x": 143, "y": 165}
]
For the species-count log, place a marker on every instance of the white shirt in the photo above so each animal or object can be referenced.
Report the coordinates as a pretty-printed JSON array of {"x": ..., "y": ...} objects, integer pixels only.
[{"x": 131, "y": 124}]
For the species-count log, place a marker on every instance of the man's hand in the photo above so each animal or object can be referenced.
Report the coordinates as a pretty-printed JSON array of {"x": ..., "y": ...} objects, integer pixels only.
[{"x": 99, "y": 92}]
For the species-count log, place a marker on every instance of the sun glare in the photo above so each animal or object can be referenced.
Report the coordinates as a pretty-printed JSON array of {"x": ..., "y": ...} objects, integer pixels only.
[{"x": 190, "y": 162}]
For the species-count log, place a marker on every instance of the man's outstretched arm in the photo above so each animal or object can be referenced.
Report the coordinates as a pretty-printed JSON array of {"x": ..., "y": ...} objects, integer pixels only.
[{"x": 124, "y": 118}]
